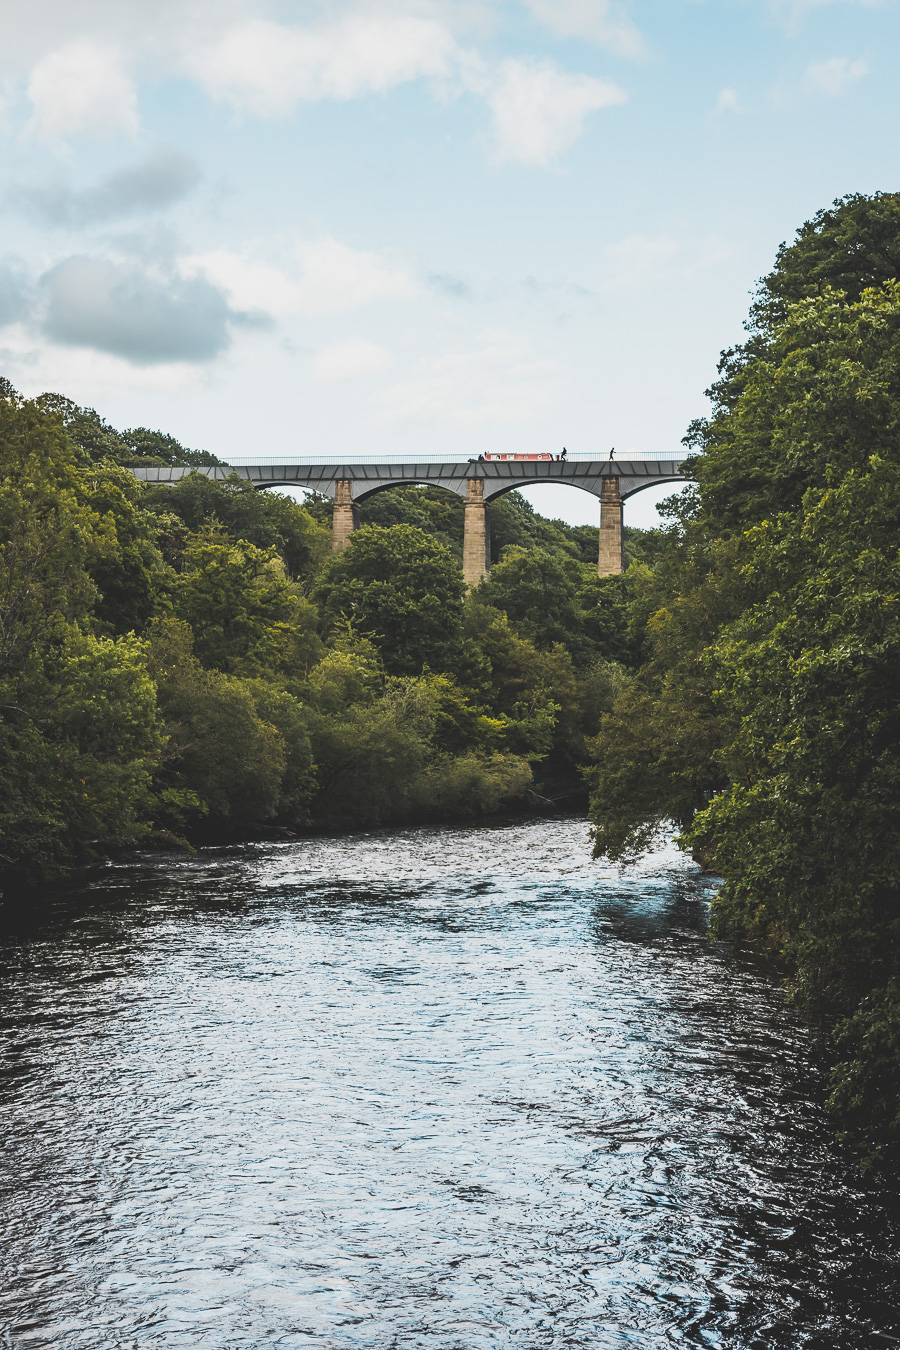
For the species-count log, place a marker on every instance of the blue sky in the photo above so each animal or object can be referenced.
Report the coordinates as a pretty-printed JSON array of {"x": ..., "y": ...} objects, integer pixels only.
[{"x": 351, "y": 228}]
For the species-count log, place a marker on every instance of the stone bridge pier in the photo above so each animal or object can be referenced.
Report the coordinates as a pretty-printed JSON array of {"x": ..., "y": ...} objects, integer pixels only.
[
  {"x": 476, "y": 533},
  {"x": 477, "y": 482},
  {"x": 611, "y": 557},
  {"x": 477, "y": 527},
  {"x": 344, "y": 516}
]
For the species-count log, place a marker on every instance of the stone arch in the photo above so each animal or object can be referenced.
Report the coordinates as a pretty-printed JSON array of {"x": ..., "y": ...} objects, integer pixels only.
[
  {"x": 478, "y": 482},
  {"x": 594, "y": 488},
  {"x": 348, "y": 499},
  {"x": 372, "y": 491}
]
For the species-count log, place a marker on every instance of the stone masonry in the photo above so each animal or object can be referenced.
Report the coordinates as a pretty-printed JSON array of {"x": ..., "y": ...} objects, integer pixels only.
[
  {"x": 345, "y": 517},
  {"x": 476, "y": 534},
  {"x": 609, "y": 560}
]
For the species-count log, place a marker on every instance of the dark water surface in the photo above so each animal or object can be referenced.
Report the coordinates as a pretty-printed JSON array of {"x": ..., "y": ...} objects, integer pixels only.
[{"x": 447, "y": 1089}]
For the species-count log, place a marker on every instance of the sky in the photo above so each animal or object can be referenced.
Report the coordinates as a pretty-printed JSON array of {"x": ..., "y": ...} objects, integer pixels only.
[{"x": 418, "y": 226}]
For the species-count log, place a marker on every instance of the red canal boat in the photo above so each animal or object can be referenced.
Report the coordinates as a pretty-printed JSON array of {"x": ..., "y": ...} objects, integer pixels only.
[{"x": 519, "y": 456}]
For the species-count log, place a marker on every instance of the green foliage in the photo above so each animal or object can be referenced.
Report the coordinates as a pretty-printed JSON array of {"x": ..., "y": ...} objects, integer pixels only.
[
  {"x": 246, "y": 617},
  {"x": 515, "y": 523},
  {"x": 765, "y": 720},
  {"x": 518, "y": 683},
  {"x": 402, "y": 589},
  {"x": 536, "y": 591},
  {"x": 78, "y": 732},
  {"x": 242, "y": 706},
  {"x": 278, "y": 709},
  {"x": 850, "y": 247},
  {"x": 86, "y": 429},
  {"x": 655, "y": 764},
  {"x": 552, "y": 599},
  {"x": 156, "y": 447},
  {"x": 77, "y": 749},
  {"x": 102, "y": 443},
  {"x": 822, "y": 400},
  {"x": 473, "y": 784},
  {"x": 412, "y": 748},
  {"x": 266, "y": 519},
  {"x": 865, "y": 1084},
  {"x": 809, "y": 676},
  {"x": 129, "y": 574},
  {"x": 237, "y": 754},
  {"x": 435, "y": 511}
]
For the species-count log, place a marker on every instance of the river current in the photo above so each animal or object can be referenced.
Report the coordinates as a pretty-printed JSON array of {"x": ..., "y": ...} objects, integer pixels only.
[{"x": 440, "y": 1088}]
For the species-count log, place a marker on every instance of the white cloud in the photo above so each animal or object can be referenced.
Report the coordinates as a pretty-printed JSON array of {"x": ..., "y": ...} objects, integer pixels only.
[
  {"x": 834, "y": 76},
  {"x": 239, "y": 54},
  {"x": 268, "y": 68},
  {"x": 92, "y": 374},
  {"x": 81, "y": 90},
  {"x": 145, "y": 316},
  {"x": 641, "y": 261},
  {"x": 350, "y": 360},
  {"x": 153, "y": 183},
  {"x": 600, "y": 21},
  {"x": 320, "y": 276},
  {"x": 498, "y": 380},
  {"x": 727, "y": 101},
  {"x": 539, "y": 110}
]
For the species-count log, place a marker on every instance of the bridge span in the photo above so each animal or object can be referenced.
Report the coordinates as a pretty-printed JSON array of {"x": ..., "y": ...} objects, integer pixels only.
[{"x": 477, "y": 481}]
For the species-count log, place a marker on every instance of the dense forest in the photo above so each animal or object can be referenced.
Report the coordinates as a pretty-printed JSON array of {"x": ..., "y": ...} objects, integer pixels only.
[
  {"x": 190, "y": 663},
  {"x": 765, "y": 717}
]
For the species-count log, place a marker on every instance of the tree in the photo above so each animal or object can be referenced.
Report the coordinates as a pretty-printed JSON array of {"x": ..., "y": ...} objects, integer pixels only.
[
  {"x": 129, "y": 573},
  {"x": 159, "y": 448},
  {"x": 78, "y": 727},
  {"x": 766, "y": 721},
  {"x": 48, "y": 536},
  {"x": 402, "y": 589},
  {"x": 246, "y": 617},
  {"x": 265, "y": 519},
  {"x": 822, "y": 398},
  {"x": 86, "y": 429},
  {"x": 847, "y": 248},
  {"x": 237, "y": 754},
  {"x": 403, "y": 747},
  {"x": 517, "y": 682},
  {"x": 514, "y": 522},
  {"x": 435, "y": 510},
  {"x": 850, "y": 246},
  {"x": 793, "y": 414},
  {"x": 537, "y": 592}
]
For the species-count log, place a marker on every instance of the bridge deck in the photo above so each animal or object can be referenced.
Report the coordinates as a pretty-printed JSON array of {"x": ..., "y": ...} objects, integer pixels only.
[{"x": 368, "y": 476}]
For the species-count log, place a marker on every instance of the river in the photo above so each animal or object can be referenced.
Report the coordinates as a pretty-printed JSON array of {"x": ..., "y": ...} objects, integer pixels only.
[{"x": 439, "y": 1088}]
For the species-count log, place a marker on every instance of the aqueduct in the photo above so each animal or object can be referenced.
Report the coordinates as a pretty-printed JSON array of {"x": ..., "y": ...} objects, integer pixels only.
[{"x": 478, "y": 482}]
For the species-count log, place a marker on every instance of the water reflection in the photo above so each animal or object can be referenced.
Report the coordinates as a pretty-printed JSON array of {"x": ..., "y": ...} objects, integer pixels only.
[{"x": 449, "y": 1089}]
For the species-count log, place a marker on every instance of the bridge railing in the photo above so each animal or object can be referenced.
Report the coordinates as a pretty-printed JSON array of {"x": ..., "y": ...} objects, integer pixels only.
[{"x": 431, "y": 457}]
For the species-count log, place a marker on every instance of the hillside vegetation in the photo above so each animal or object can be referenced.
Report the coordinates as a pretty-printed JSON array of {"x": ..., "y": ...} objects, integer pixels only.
[
  {"x": 765, "y": 720},
  {"x": 191, "y": 663}
]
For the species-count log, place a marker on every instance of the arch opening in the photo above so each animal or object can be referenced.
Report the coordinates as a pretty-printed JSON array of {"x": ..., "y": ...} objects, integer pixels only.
[{"x": 367, "y": 493}]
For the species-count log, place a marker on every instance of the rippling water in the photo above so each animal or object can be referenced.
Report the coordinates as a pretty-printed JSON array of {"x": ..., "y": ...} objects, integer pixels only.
[{"x": 446, "y": 1089}]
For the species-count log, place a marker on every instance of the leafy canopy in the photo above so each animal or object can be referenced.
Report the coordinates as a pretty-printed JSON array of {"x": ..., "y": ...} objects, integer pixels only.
[{"x": 404, "y": 591}]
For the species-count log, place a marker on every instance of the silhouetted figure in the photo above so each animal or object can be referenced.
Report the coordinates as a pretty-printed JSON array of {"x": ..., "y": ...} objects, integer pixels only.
[
  {"x": 612, "y": 452},
  {"x": 564, "y": 453}
]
